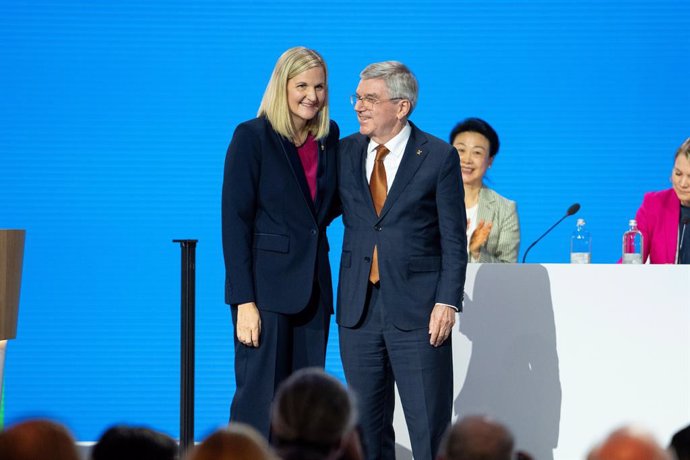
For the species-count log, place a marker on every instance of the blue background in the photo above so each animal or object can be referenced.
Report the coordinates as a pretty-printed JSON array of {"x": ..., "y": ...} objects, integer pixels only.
[{"x": 115, "y": 117}]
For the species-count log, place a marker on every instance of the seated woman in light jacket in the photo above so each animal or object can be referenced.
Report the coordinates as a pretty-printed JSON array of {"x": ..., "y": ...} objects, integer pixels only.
[{"x": 493, "y": 228}]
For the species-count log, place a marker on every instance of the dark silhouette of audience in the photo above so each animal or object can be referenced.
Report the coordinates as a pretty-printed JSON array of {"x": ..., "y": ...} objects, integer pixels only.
[
  {"x": 37, "y": 440},
  {"x": 680, "y": 444},
  {"x": 237, "y": 441},
  {"x": 313, "y": 417},
  {"x": 134, "y": 443},
  {"x": 629, "y": 443}
]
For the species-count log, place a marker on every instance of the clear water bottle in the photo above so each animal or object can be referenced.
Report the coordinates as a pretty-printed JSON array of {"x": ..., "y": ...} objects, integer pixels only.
[
  {"x": 632, "y": 244},
  {"x": 580, "y": 244}
]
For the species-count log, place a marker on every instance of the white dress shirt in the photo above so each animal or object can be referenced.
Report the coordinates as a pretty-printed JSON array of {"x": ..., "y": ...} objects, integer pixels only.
[
  {"x": 472, "y": 218},
  {"x": 391, "y": 161}
]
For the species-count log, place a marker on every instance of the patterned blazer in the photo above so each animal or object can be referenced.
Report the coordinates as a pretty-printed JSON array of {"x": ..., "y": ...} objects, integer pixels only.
[{"x": 504, "y": 240}]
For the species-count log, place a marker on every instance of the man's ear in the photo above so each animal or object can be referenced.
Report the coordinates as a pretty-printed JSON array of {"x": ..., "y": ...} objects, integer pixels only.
[{"x": 404, "y": 109}]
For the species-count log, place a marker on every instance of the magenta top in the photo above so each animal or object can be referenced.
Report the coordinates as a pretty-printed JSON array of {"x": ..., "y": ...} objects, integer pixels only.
[{"x": 309, "y": 156}]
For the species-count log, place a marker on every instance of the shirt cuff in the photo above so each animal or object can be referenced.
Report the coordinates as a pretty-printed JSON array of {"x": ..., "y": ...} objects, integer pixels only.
[{"x": 449, "y": 306}]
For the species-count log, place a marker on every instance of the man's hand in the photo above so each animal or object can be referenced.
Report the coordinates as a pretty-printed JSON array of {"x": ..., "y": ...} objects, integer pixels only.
[
  {"x": 248, "y": 324},
  {"x": 441, "y": 324}
]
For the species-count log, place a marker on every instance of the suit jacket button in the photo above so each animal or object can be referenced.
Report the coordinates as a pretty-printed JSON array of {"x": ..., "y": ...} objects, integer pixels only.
[
  {"x": 313, "y": 232},
  {"x": 367, "y": 259}
]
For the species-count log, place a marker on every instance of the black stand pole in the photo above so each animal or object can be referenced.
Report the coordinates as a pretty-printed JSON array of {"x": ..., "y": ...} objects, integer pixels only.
[{"x": 187, "y": 345}]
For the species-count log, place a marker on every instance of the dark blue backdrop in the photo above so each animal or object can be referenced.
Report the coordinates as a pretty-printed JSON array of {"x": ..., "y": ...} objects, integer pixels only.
[{"x": 115, "y": 116}]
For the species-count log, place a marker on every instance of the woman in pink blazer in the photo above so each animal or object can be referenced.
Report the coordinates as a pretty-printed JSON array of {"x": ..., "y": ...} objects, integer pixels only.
[{"x": 664, "y": 215}]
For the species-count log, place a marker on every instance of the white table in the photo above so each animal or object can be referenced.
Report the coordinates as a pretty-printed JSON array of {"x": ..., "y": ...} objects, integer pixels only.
[{"x": 565, "y": 353}]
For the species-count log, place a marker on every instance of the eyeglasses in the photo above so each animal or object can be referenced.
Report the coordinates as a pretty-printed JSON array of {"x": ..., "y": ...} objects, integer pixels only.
[{"x": 369, "y": 102}]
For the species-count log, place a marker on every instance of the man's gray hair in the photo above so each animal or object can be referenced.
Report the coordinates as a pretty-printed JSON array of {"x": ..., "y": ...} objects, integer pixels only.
[{"x": 400, "y": 80}]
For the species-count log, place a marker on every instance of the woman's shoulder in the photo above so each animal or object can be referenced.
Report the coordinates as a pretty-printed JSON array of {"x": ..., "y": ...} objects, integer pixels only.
[
  {"x": 253, "y": 135},
  {"x": 333, "y": 130},
  {"x": 498, "y": 199},
  {"x": 252, "y": 132},
  {"x": 661, "y": 196},
  {"x": 255, "y": 124}
]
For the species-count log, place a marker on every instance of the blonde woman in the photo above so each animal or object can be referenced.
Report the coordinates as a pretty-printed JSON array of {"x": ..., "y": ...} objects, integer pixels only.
[
  {"x": 664, "y": 216},
  {"x": 279, "y": 192}
]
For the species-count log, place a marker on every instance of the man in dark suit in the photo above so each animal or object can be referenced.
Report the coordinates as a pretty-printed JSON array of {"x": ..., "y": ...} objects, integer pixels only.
[{"x": 403, "y": 264}]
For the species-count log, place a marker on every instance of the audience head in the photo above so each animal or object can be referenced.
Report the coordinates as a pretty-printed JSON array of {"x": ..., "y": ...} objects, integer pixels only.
[
  {"x": 477, "y": 438},
  {"x": 38, "y": 440},
  {"x": 680, "y": 444},
  {"x": 629, "y": 443},
  {"x": 134, "y": 443},
  {"x": 680, "y": 176},
  {"x": 237, "y": 441},
  {"x": 313, "y": 414}
]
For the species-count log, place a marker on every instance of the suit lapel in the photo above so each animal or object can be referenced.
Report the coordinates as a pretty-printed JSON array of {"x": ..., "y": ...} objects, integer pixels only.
[
  {"x": 360, "y": 171},
  {"x": 671, "y": 235},
  {"x": 487, "y": 210},
  {"x": 321, "y": 169},
  {"x": 412, "y": 159},
  {"x": 292, "y": 158}
]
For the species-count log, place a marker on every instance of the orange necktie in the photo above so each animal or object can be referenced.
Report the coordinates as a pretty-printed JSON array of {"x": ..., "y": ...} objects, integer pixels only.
[{"x": 378, "y": 185}]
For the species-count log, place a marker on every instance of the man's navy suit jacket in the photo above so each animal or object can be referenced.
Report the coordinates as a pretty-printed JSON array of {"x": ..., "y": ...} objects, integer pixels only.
[
  {"x": 420, "y": 234},
  {"x": 274, "y": 235}
]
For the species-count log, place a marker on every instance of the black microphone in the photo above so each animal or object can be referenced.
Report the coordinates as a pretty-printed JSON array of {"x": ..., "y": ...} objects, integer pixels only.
[
  {"x": 684, "y": 222},
  {"x": 571, "y": 210}
]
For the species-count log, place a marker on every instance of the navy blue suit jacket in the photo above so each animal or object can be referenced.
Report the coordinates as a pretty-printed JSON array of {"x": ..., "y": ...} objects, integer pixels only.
[
  {"x": 420, "y": 234},
  {"x": 274, "y": 235}
]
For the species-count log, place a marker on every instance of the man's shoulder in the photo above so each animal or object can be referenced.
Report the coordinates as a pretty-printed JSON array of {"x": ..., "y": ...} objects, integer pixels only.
[
  {"x": 354, "y": 141},
  {"x": 432, "y": 142},
  {"x": 354, "y": 138}
]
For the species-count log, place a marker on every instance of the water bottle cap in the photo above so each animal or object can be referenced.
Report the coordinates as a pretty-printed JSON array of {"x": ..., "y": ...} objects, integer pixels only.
[
  {"x": 580, "y": 221},
  {"x": 632, "y": 222}
]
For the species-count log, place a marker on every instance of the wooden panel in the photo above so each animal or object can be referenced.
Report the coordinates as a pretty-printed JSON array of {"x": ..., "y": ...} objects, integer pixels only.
[{"x": 11, "y": 258}]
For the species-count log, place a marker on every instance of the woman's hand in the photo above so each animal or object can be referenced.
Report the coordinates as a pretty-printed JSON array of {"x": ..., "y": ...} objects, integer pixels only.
[
  {"x": 248, "y": 324},
  {"x": 479, "y": 237}
]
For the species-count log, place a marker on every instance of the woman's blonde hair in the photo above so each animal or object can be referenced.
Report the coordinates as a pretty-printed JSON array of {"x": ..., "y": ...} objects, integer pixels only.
[
  {"x": 274, "y": 104},
  {"x": 684, "y": 149}
]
